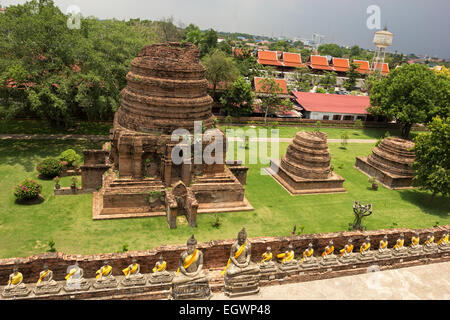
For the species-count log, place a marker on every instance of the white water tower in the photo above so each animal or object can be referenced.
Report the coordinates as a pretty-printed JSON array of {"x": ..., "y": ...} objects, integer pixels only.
[{"x": 382, "y": 40}]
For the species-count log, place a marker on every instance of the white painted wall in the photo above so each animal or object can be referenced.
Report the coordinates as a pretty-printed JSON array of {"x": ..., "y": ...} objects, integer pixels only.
[{"x": 319, "y": 115}]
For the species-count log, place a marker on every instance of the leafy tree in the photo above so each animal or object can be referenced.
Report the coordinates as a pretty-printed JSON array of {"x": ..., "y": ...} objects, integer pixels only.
[
  {"x": 166, "y": 31},
  {"x": 219, "y": 68},
  {"x": 432, "y": 158},
  {"x": 59, "y": 74},
  {"x": 270, "y": 100},
  {"x": 411, "y": 94},
  {"x": 355, "y": 51},
  {"x": 238, "y": 98},
  {"x": 352, "y": 75},
  {"x": 208, "y": 42},
  {"x": 370, "y": 80},
  {"x": 328, "y": 80},
  {"x": 330, "y": 49},
  {"x": 193, "y": 34}
]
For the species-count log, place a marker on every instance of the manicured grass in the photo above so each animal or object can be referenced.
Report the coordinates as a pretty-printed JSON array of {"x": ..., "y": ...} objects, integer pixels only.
[
  {"x": 42, "y": 127},
  {"x": 26, "y": 230},
  {"x": 333, "y": 133}
]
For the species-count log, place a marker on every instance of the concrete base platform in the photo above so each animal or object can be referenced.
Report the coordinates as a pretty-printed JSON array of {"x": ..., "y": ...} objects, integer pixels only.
[{"x": 296, "y": 186}]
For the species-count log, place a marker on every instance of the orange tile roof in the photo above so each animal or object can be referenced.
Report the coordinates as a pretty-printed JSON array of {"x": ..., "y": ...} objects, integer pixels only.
[
  {"x": 384, "y": 69},
  {"x": 363, "y": 66},
  {"x": 292, "y": 59},
  {"x": 341, "y": 64},
  {"x": 320, "y": 62},
  {"x": 269, "y": 58},
  {"x": 281, "y": 83}
]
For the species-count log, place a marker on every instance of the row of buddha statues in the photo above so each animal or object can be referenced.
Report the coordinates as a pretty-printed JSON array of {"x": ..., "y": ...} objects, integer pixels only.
[{"x": 241, "y": 275}]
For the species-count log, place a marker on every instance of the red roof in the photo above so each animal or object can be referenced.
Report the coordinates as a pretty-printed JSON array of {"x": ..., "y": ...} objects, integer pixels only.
[
  {"x": 292, "y": 59},
  {"x": 363, "y": 66},
  {"x": 333, "y": 103},
  {"x": 269, "y": 58},
  {"x": 384, "y": 68},
  {"x": 320, "y": 62},
  {"x": 281, "y": 84},
  {"x": 341, "y": 64}
]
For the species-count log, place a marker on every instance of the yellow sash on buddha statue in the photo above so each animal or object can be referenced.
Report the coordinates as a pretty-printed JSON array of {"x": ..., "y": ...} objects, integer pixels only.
[
  {"x": 347, "y": 249},
  {"x": 236, "y": 255},
  {"x": 17, "y": 278},
  {"x": 399, "y": 244},
  {"x": 286, "y": 258},
  {"x": 43, "y": 276},
  {"x": 266, "y": 257},
  {"x": 190, "y": 259},
  {"x": 415, "y": 240},
  {"x": 104, "y": 271},
  {"x": 160, "y": 268},
  {"x": 131, "y": 270},
  {"x": 329, "y": 251},
  {"x": 307, "y": 253},
  {"x": 364, "y": 247},
  {"x": 383, "y": 244},
  {"x": 431, "y": 240},
  {"x": 443, "y": 240},
  {"x": 71, "y": 273}
]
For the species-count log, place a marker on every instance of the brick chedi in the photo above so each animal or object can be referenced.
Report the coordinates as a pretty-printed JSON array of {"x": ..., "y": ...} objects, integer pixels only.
[
  {"x": 166, "y": 90},
  {"x": 390, "y": 163},
  {"x": 305, "y": 168}
]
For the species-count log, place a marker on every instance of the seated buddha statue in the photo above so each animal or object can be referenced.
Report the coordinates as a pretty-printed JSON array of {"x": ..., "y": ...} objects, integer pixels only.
[
  {"x": 104, "y": 277},
  {"x": 429, "y": 245},
  {"x": 160, "y": 274},
  {"x": 443, "y": 243},
  {"x": 239, "y": 260},
  {"x": 328, "y": 256},
  {"x": 15, "y": 286},
  {"x": 415, "y": 247},
  {"x": 364, "y": 250},
  {"x": 190, "y": 281},
  {"x": 288, "y": 262},
  {"x": 241, "y": 275},
  {"x": 399, "y": 248},
  {"x": 75, "y": 280},
  {"x": 267, "y": 265},
  {"x": 346, "y": 254},
  {"x": 45, "y": 283},
  {"x": 133, "y": 275},
  {"x": 383, "y": 250},
  {"x": 308, "y": 260}
]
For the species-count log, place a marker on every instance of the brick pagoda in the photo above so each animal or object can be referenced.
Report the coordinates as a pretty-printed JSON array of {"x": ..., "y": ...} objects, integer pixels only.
[
  {"x": 390, "y": 163},
  {"x": 305, "y": 168},
  {"x": 166, "y": 90}
]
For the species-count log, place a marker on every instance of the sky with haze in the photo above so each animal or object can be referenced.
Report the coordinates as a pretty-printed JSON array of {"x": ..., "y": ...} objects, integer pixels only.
[{"x": 419, "y": 27}]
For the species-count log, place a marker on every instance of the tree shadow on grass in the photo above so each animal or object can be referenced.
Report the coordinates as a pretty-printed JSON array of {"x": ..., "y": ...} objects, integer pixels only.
[
  {"x": 439, "y": 207},
  {"x": 27, "y": 153}
]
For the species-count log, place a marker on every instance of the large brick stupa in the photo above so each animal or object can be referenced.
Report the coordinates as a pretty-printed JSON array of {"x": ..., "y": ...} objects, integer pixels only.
[
  {"x": 306, "y": 168},
  {"x": 166, "y": 90}
]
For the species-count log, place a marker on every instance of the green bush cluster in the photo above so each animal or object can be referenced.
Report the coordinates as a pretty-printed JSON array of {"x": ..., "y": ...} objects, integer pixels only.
[
  {"x": 49, "y": 167},
  {"x": 27, "y": 190},
  {"x": 71, "y": 158}
]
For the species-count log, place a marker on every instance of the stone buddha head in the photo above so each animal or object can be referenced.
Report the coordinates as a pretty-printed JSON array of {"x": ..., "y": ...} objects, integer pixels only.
[
  {"x": 242, "y": 236},
  {"x": 268, "y": 249},
  {"x": 191, "y": 245},
  {"x": 310, "y": 245}
]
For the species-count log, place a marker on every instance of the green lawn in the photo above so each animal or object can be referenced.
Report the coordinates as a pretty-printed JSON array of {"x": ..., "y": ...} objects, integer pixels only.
[
  {"x": 26, "y": 230},
  {"x": 102, "y": 128}
]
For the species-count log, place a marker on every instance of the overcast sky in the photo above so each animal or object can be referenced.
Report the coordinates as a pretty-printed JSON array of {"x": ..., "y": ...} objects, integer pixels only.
[{"x": 421, "y": 27}]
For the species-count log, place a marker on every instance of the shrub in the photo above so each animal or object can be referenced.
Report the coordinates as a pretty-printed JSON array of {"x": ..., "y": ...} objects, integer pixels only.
[
  {"x": 320, "y": 90},
  {"x": 27, "y": 190},
  {"x": 49, "y": 167},
  {"x": 71, "y": 157}
]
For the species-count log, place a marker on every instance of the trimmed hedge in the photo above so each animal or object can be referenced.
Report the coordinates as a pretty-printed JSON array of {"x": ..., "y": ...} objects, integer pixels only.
[{"x": 49, "y": 167}]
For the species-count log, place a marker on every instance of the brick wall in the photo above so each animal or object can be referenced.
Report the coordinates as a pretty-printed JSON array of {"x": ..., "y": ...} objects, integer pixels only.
[{"x": 215, "y": 252}]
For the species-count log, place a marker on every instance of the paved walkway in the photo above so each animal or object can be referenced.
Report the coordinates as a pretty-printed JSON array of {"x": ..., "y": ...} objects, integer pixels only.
[
  {"x": 429, "y": 282},
  {"x": 106, "y": 137}
]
